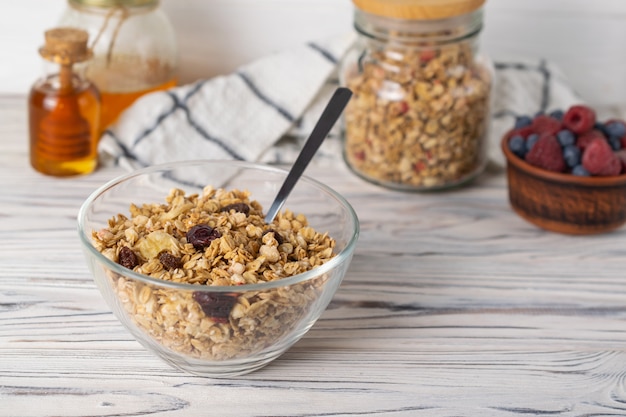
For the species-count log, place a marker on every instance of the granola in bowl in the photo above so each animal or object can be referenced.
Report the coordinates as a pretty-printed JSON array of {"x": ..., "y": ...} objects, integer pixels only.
[
  {"x": 218, "y": 238},
  {"x": 196, "y": 275}
]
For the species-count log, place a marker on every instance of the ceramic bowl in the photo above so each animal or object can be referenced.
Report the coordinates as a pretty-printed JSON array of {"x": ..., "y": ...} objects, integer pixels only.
[
  {"x": 173, "y": 319},
  {"x": 564, "y": 203}
]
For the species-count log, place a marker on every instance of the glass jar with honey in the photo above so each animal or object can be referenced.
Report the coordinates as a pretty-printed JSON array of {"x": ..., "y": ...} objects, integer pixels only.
[{"x": 134, "y": 49}]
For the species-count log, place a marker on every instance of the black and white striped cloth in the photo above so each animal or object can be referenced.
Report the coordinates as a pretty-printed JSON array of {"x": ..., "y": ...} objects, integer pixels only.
[{"x": 265, "y": 110}]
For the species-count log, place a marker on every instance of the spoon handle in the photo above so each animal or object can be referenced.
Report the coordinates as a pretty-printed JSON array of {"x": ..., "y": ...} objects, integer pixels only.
[{"x": 327, "y": 120}]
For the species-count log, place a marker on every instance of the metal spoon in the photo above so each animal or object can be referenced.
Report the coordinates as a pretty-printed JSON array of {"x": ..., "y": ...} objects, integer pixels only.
[{"x": 331, "y": 113}]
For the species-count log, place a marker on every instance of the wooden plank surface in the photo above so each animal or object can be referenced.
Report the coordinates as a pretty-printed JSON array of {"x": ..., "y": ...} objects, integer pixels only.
[{"x": 453, "y": 306}]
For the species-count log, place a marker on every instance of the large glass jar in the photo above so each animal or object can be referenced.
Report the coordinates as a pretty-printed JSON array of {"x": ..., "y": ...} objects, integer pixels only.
[
  {"x": 134, "y": 49},
  {"x": 419, "y": 116}
]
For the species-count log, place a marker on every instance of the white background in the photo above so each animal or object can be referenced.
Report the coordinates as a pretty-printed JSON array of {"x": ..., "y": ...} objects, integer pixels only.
[{"x": 586, "y": 39}]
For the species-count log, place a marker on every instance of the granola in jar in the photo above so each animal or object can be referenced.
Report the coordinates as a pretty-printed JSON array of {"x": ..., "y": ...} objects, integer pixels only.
[{"x": 419, "y": 116}]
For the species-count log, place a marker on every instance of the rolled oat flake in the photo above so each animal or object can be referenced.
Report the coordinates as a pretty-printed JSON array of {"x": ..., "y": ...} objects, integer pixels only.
[{"x": 419, "y": 116}]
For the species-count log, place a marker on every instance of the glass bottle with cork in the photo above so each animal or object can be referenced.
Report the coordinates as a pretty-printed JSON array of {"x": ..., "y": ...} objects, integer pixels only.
[
  {"x": 134, "y": 47},
  {"x": 419, "y": 116},
  {"x": 64, "y": 108}
]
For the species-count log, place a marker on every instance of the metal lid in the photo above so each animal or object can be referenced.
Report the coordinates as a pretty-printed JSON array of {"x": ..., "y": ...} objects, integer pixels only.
[
  {"x": 65, "y": 46},
  {"x": 418, "y": 9}
]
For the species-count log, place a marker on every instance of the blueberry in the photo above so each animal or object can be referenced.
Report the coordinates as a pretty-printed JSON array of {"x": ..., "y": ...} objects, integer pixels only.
[
  {"x": 571, "y": 154},
  {"x": 517, "y": 145},
  {"x": 522, "y": 121},
  {"x": 580, "y": 171},
  {"x": 531, "y": 140},
  {"x": 557, "y": 114},
  {"x": 615, "y": 129},
  {"x": 602, "y": 128},
  {"x": 615, "y": 142},
  {"x": 566, "y": 137}
]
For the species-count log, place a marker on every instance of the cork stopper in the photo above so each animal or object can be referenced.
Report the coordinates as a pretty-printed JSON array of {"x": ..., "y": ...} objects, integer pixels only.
[
  {"x": 418, "y": 9},
  {"x": 65, "y": 46}
]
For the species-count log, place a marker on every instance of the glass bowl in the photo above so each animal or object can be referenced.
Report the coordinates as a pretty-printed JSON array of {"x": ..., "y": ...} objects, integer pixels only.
[{"x": 208, "y": 330}]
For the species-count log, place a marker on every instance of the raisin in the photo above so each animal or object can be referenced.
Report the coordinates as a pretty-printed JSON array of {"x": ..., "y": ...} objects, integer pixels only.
[
  {"x": 239, "y": 207},
  {"x": 278, "y": 237},
  {"x": 169, "y": 261},
  {"x": 201, "y": 236},
  {"x": 215, "y": 305},
  {"x": 127, "y": 258}
]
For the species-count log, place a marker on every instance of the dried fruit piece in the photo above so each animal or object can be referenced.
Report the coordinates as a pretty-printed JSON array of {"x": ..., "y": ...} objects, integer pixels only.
[
  {"x": 216, "y": 305},
  {"x": 277, "y": 236},
  {"x": 169, "y": 261},
  {"x": 201, "y": 236},
  {"x": 157, "y": 242},
  {"x": 579, "y": 119},
  {"x": 238, "y": 207},
  {"x": 547, "y": 154},
  {"x": 599, "y": 159},
  {"x": 127, "y": 258}
]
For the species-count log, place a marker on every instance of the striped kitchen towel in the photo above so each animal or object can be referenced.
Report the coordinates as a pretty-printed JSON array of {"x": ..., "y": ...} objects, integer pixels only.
[
  {"x": 265, "y": 110},
  {"x": 237, "y": 116}
]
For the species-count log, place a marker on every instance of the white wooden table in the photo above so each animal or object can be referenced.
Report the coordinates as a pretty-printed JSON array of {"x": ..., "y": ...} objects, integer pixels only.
[{"x": 453, "y": 306}]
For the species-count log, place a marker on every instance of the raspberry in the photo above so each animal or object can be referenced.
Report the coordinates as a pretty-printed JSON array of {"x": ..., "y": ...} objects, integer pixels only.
[
  {"x": 546, "y": 125},
  {"x": 586, "y": 138},
  {"x": 579, "y": 119},
  {"x": 600, "y": 160},
  {"x": 547, "y": 154}
]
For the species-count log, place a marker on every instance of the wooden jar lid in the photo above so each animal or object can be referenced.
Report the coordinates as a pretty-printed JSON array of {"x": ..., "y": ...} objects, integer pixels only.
[
  {"x": 65, "y": 46},
  {"x": 418, "y": 9}
]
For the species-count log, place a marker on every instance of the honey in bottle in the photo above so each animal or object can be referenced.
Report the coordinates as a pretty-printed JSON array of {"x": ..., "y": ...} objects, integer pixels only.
[{"x": 64, "y": 108}]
